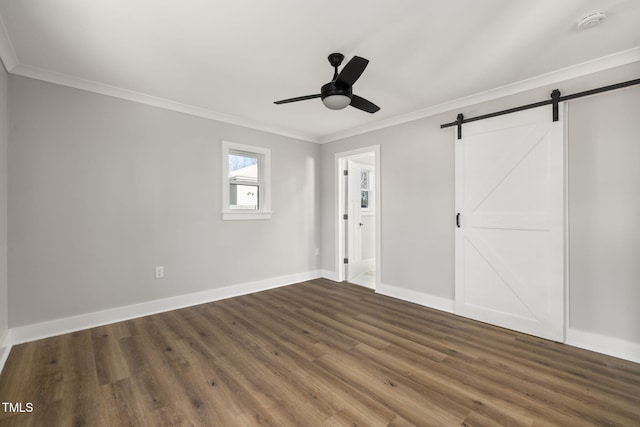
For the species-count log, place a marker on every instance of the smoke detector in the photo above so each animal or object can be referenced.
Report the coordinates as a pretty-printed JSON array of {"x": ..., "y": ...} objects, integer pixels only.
[{"x": 591, "y": 19}]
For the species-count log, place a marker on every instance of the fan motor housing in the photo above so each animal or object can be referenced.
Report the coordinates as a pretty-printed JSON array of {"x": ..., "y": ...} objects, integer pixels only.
[{"x": 332, "y": 88}]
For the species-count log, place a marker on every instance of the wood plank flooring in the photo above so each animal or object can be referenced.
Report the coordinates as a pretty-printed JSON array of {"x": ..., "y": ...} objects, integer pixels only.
[{"x": 316, "y": 353}]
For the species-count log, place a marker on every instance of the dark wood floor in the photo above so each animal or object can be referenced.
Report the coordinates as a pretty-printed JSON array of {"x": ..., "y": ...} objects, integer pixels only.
[{"x": 311, "y": 354}]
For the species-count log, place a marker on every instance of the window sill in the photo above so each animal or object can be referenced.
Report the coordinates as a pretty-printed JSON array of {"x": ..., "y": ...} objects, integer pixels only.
[{"x": 238, "y": 215}]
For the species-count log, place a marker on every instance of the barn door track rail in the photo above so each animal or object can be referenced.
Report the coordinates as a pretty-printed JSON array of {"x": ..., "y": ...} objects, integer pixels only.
[{"x": 556, "y": 98}]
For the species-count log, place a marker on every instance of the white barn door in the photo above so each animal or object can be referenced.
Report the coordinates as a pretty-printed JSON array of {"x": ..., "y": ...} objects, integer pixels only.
[{"x": 509, "y": 253}]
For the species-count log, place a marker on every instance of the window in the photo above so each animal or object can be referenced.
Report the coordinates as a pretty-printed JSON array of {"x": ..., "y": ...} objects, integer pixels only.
[
  {"x": 364, "y": 188},
  {"x": 244, "y": 187},
  {"x": 367, "y": 192},
  {"x": 246, "y": 180}
]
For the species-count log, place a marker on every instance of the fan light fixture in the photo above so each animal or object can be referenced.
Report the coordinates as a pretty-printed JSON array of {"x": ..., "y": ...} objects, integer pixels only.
[
  {"x": 336, "y": 102},
  {"x": 338, "y": 93}
]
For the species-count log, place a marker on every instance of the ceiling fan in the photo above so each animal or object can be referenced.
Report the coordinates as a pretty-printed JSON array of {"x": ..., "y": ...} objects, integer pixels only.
[{"x": 338, "y": 93}]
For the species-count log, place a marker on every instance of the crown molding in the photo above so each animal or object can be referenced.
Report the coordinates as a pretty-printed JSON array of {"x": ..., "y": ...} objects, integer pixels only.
[
  {"x": 600, "y": 64},
  {"x": 7, "y": 54},
  {"x": 11, "y": 63},
  {"x": 129, "y": 95}
]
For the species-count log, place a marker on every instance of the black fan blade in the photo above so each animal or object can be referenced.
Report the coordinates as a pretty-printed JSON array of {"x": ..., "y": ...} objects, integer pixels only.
[
  {"x": 352, "y": 71},
  {"x": 300, "y": 98},
  {"x": 363, "y": 104}
]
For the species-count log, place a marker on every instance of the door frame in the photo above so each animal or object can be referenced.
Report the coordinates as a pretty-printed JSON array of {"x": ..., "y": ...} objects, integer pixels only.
[{"x": 339, "y": 232}]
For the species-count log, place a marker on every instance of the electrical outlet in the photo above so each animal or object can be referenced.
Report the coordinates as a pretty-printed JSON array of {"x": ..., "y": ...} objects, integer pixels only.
[
  {"x": 159, "y": 272},
  {"x": 317, "y": 251}
]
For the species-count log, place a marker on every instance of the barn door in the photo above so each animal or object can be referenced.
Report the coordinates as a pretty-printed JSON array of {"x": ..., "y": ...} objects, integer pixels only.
[{"x": 509, "y": 254}]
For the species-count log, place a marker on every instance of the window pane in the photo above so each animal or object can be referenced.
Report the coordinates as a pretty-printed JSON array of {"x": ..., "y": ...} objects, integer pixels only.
[
  {"x": 243, "y": 168},
  {"x": 364, "y": 199},
  {"x": 243, "y": 197},
  {"x": 364, "y": 180}
]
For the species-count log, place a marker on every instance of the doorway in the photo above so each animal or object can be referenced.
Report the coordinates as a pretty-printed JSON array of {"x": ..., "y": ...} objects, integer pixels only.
[{"x": 358, "y": 202}]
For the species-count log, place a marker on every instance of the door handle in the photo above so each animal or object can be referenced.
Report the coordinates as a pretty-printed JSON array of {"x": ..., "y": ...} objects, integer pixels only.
[
  {"x": 458, "y": 220},
  {"x": 361, "y": 224}
]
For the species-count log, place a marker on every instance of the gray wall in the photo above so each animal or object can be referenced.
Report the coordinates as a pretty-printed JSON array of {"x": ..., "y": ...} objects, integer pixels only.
[
  {"x": 102, "y": 190},
  {"x": 604, "y": 203},
  {"x": 4, "y": 309},
  {"x": 416, "y": 233},
  {"x": 417, "y": 214}
]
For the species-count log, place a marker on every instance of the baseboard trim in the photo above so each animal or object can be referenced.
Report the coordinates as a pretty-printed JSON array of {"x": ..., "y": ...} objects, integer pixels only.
[
  {"x": 5, "y": 349},
  {"x": 598, "y": 343},
  {"x": 610, "y": 346},
  {"x": 32, "y": 332},
  {"x": 416, "y": 297},
  {"x": 331, "y": 275}
]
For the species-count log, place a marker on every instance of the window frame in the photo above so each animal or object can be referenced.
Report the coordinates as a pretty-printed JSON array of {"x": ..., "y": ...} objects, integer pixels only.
[{"x": 264, "y": 182}]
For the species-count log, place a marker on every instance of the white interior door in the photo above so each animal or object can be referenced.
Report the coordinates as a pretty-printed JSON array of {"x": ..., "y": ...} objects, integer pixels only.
[
  {"x": 355, "y": 221},
  {"x": 509, "y": 254}
]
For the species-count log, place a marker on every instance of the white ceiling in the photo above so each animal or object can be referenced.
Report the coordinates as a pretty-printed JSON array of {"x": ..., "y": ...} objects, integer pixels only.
[{"x": 230, "y": 60}]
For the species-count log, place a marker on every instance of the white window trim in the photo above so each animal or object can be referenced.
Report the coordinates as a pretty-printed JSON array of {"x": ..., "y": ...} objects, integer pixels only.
[{"x": 264, "y": 212}]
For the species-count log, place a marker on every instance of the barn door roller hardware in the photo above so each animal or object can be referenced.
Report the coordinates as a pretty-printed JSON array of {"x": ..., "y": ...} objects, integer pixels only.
[
  {"x": 556, "y": 98},
  {"x": 459, "y": 121}
]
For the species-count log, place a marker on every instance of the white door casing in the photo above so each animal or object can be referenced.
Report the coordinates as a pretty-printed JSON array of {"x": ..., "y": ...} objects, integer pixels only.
[
  {"x": 509, "y": 252},
  {"x": 341, "y": 227}
]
